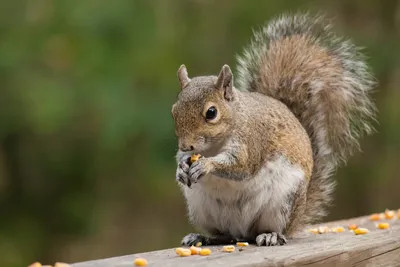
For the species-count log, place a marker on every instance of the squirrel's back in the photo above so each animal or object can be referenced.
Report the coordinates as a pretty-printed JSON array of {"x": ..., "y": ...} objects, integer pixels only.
[{"x": 324, "y": 81}]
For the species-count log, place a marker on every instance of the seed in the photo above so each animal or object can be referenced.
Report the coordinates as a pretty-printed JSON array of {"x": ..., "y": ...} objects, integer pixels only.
[
  {"x": 353, "y": 226},
  {"x": 389, "y": 214},
  {"x": 35, "y": 264},
  {"x": 375, "y": 217},
  {"x": 140, "y": 262},
  {"x": 338, "y": 229},
  {"x": 194, "y": 158},
  {"x": 242, "y": 244},
  {"x": 398, "y": 214},
  {"x": 183, "y": 252},
  {"x": 199, "y": 244},
  {"x": 229, "y": 248},
  {"x": 323, "y": 229},
  {"x": 194, "y": 250},
  {"x": 178, "y": 250},
  {"x": 314, "y": 230},
  {"x": 383, "y": 225},
  {"x": 205, "y": 252},
  {"x": 361, "y": 231}
]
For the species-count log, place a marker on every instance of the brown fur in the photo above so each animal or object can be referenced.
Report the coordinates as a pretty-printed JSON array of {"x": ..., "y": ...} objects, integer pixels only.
[
  {"x": 302, "y": 97},
  {"x": 265, "y": 127},
  {"x": 324, "y": 81}
]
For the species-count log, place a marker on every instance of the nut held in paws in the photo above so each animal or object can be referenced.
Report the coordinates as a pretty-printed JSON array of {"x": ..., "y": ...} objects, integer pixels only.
[{"x": 194, "y": 158}]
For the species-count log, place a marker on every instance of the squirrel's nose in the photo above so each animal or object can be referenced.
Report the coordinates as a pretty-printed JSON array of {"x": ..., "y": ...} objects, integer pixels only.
[{"x": 185, "y": 147}]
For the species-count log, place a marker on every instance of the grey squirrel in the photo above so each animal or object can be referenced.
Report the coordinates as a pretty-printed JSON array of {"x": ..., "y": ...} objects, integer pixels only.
[{"x": 271, "y": 138}]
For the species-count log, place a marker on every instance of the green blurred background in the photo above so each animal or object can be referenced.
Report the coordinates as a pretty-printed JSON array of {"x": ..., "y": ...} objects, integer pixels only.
[{"x": 87, "y": 143}]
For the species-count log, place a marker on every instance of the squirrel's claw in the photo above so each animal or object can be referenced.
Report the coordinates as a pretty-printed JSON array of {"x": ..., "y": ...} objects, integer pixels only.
[
  {"x": 197, "y": 170},
  {"x": 182, "y": 175},
  {"x": 192, "y": 239},
  {"x": 271, "y": 239}
]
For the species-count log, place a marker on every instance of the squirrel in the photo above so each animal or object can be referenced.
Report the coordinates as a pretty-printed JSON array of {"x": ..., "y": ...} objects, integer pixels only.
[{"x": 271, "y": 139}]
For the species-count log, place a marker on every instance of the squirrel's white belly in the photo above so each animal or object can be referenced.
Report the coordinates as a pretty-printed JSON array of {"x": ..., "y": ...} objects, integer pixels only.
[{"x": 244, "y": 209}]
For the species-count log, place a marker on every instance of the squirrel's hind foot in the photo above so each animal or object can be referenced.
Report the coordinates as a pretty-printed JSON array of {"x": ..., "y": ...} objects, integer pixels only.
[
  {"x": 192, "y": 239},
  {"x": 271, "y": 239}
]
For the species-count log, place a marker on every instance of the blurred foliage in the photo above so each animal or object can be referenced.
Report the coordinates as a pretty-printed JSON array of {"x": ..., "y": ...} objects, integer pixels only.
[{"x": 86, "y": 138}]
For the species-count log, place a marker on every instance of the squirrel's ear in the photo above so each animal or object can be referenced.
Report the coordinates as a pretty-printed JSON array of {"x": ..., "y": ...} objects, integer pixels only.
[
  {"x": 225, "y": 82},
  {"x": 183, "y": 76}
]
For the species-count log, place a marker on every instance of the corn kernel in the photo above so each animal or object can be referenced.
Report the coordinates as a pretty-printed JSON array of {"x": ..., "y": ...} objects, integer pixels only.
[
  {"x": 194, "y": 250},
  {"x": 323, "y": 229},
  {"x": 184, "y": 252},
  {"x": 389, "y": 214},
  {"x": 194, "y": 158},
  {"x": 199, "y": 244},
  {"x": 338, "y": 229},
  {"x": 229, "y": 248},
  {"x": 242, "y": 244},
  {"x": 205, "y": 252},
  {"x": 375, "y": 217},
  {"x": 35, "y": 264},
  {"x": 140, "y": 262},
  {"x": 353, "y": 226},
  {"x": 314, "y": 230},
  {"x": 398, "y": 214},
  {"x": 383, "y": 225},
  {"x": 61, "y": 264},
  {"x": 361, "y": 231},
  {"x": 178, "y": 250}
]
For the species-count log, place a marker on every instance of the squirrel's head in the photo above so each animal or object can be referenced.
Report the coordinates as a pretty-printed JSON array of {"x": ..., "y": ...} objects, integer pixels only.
[{"x": 203, "y": 111}]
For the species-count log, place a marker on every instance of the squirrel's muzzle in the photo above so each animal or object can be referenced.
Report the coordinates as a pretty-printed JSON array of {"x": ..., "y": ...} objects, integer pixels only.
[{"x": 185, "y": 146}]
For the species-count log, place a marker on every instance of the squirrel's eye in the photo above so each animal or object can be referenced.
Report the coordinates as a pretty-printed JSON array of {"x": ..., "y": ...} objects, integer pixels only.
[{"x": 211, "y": 113}]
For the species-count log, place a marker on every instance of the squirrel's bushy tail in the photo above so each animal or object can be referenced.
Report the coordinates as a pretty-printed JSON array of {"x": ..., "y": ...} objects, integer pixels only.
[{"x": 326, "y": 83}]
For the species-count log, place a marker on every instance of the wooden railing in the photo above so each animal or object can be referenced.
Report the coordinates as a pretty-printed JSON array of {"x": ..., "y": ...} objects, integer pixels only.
[{"x": 376, "y": 248}]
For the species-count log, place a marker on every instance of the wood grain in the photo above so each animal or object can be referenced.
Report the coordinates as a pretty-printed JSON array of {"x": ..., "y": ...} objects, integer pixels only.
[{"x": 377, "y": 248}]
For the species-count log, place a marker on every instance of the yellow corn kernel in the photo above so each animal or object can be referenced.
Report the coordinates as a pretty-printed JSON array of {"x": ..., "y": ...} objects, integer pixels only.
[
  {"x": 353, "y": 226},
  {"x": 361, "y": 231},
  {"x": 194, "y": 250},
  {"x": 338, "y": 229},
  {"x": 199, "y": 244},
  {"x": 314, "y": 230},
  {"x": 35, "y": 264},
  {"x": 140, "y": 262},
  {"x": 375, "y": 217},
  {"x": 184, "y": 252},
  {"x": 229, "y": 248},
  {"x": 383, "y": 225},
  {"x": 398, "y": 214},
  {"x": 242, "y": 244},
  {"x": 323, "y": 229},
  {"x": 178, "y": 250},
  {"x": 194, "y": 158},
  {"x": 205, "y": 252},
  {"x": 389, "y": 214}
]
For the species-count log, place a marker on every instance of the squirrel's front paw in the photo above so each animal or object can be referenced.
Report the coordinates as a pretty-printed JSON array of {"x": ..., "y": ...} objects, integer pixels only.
[
  {"x": 198, "y": 169},
  {"x": 182, "y": 175}
]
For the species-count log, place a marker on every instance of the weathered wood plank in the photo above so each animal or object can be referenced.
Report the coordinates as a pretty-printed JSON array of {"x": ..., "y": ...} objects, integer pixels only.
[{"x": 377, "y": 248}]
